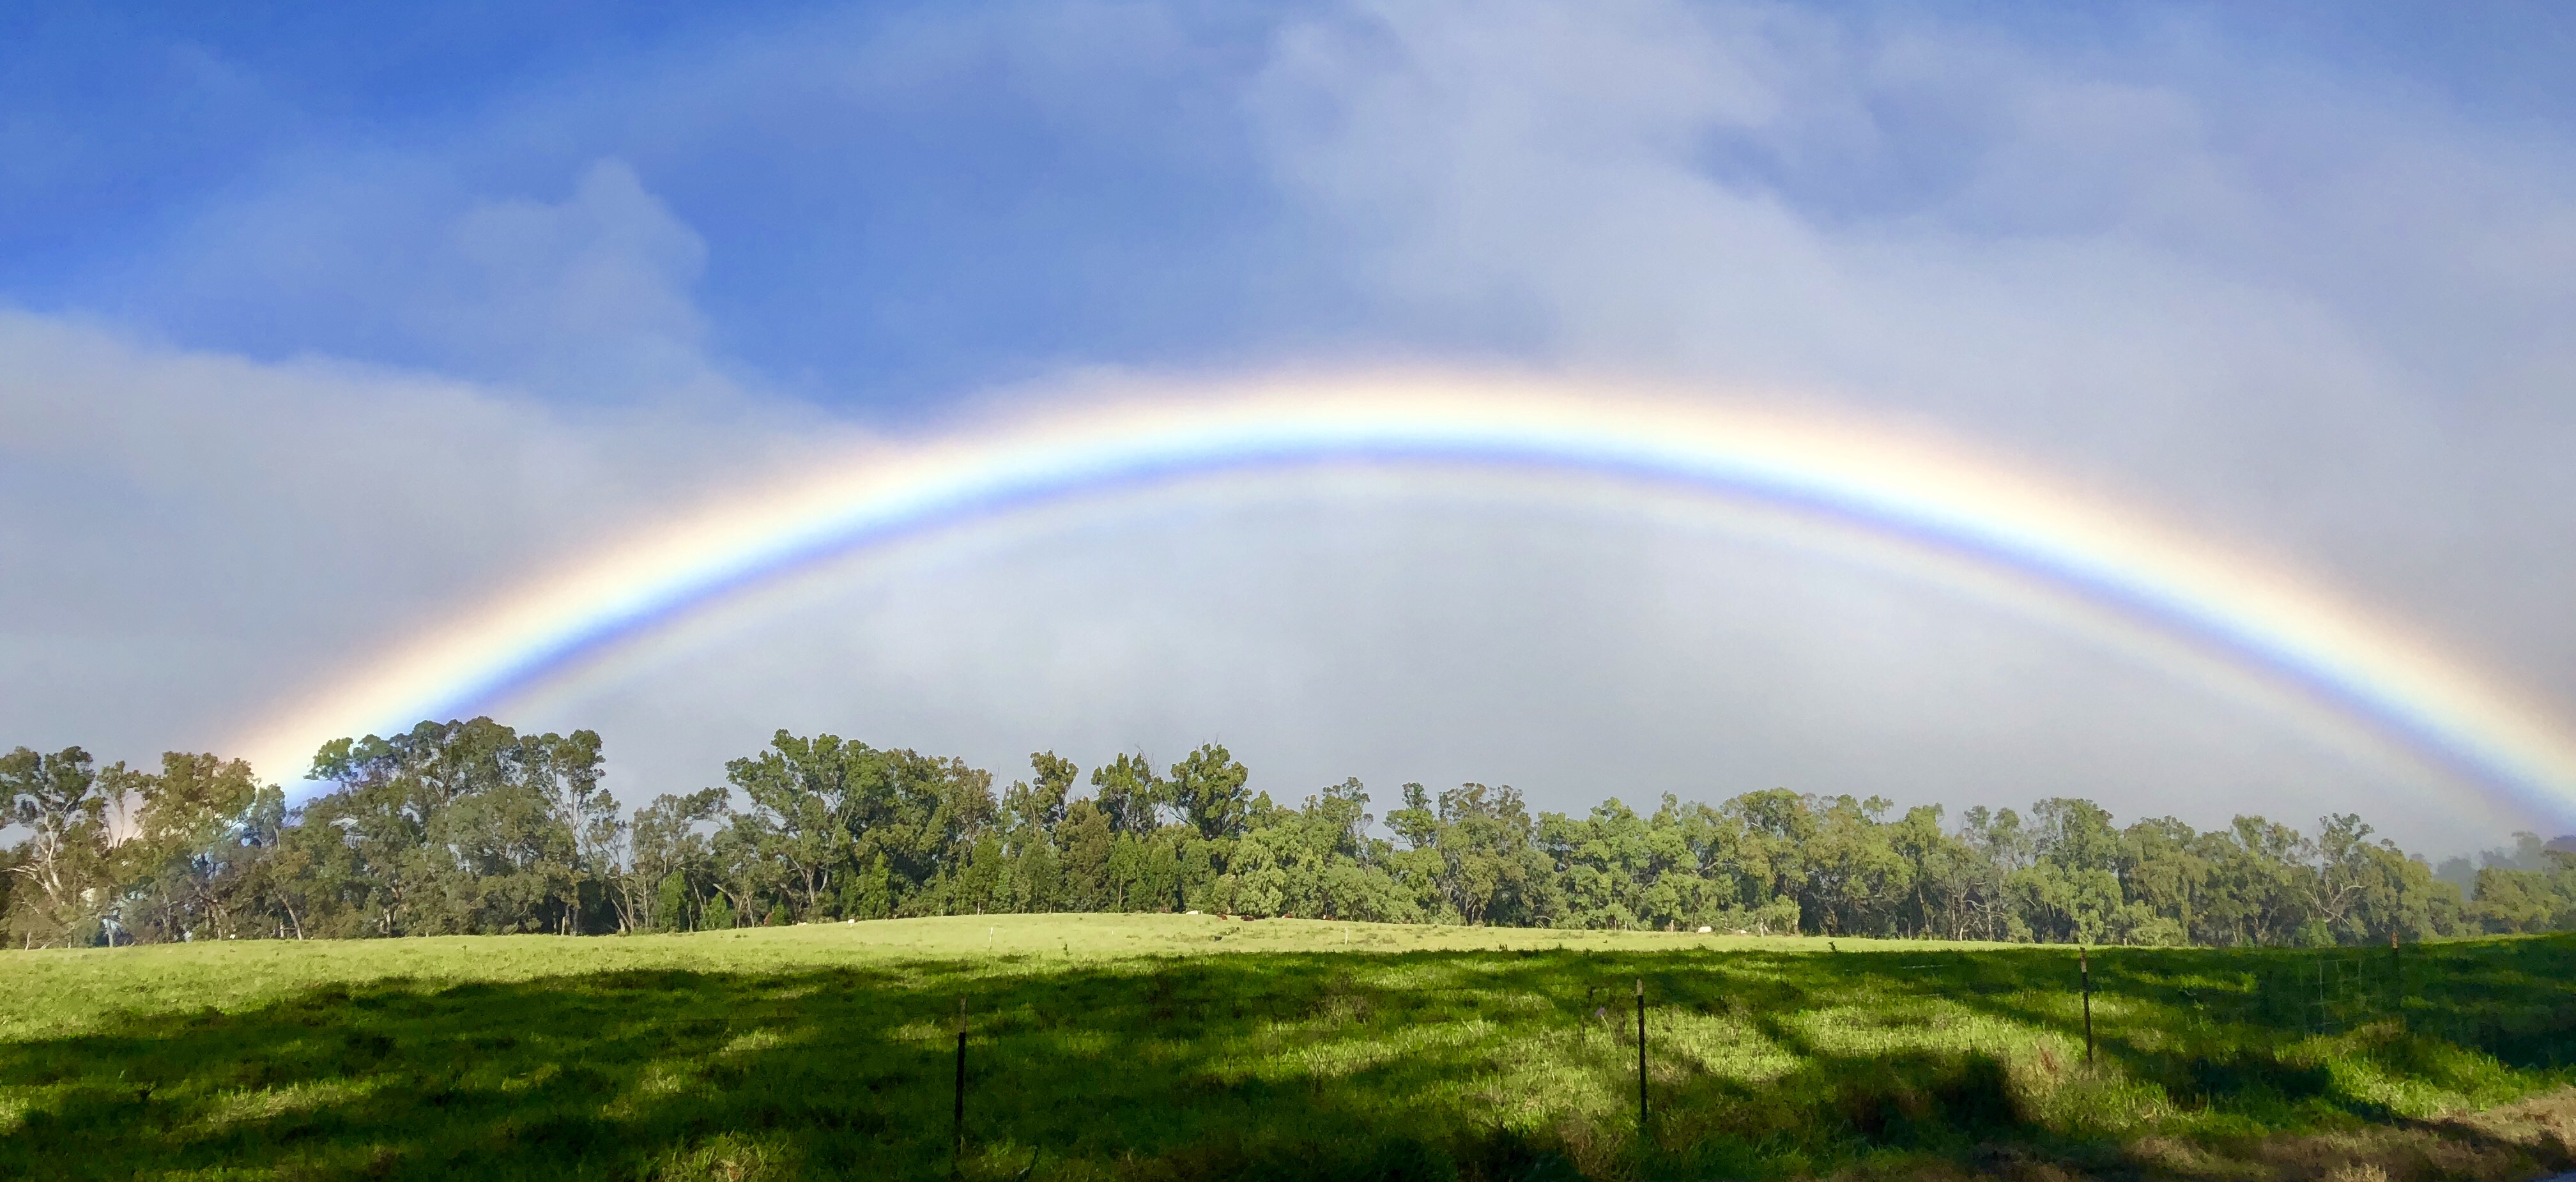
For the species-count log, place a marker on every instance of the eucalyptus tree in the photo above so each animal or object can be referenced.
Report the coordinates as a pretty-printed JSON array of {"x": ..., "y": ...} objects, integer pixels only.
[
  {"x": 1941, "y": 893},
  {"x": 565, "y": 771},
  {"x": 925, "y": 821},
  {"x": 1208, "y": 787},
  {"x": 2070, "y": 890},
  {"x": 673, "y": 863},
  {"x": 1777, "y": 825},
  {"x": 1032, "y": 811},
  {"x": 805, "y": 801},
  {"x": 474, "y": 827},
  {"x": 390, "y": 812},
  {"x": 58, "y": 799},
  {"x": 1478, "y": 851},
  {"x": 204, "y": 829},
  {"x": 1316, "y": 861},
  {"x": 456, "y": 827},
  {"x": 1129, "y": 794},
  {"x": 1088, "y": 841},
  {"x": 1854, "y": 876}
]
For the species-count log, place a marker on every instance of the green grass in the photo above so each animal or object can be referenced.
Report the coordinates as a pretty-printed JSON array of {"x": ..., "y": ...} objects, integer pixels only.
[{"x": 1187, "y": 1047}]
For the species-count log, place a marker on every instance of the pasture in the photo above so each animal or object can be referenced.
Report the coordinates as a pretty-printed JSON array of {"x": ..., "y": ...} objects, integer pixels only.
[{"x": 1179, "y": 1047}]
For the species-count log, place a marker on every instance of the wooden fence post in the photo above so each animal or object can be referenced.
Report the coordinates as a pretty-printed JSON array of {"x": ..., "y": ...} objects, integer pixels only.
[
  {"x": 1642, "y": 1132},
  {"x": 2396, "y": 981},
  {"x": 957, "y": 1150},
  {"x": 2084, "y": 966}
]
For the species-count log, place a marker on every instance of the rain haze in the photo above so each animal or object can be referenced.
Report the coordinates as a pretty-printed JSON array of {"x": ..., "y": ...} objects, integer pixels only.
[{"x": 319, "y": 332}]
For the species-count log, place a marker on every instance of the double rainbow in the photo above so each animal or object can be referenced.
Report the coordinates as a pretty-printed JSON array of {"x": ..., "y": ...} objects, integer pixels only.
[{"x": 2268, "y": 625}]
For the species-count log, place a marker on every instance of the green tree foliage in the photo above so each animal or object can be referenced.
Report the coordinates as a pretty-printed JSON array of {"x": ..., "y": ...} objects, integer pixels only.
[
  {"x": 195, "y": 861},
  {"x": 673, "y": 860},
  {"x": 58, "y": 800},
  {"x": 459, "y": 827},
  {"x": 1129, "y": 794},
  {"x": 465, "y": 827},
  {"x": 1208, "y": 790}
]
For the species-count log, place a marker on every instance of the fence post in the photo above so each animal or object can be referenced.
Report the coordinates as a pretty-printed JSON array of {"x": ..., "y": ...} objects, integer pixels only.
[
  {"x": 2084, "y": 966},
  {"x": 1642, "y": 1133},
  {"x": 957, "y": 1150},
  {"x": 2396, "y": 981}
]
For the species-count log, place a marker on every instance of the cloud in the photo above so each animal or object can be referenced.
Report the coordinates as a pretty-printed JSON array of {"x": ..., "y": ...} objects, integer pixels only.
[
  {"x": 584, "y": 299},
  {"x": 2283, "y": 305},
  {"x": 199, "y": 535},
  {"x": 2306, "y": 312},
  {"x": 589, "y": 295}
]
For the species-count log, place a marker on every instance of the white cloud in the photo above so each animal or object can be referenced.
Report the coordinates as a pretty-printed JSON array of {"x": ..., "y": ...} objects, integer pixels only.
[
  {"x": 195, "y": 535},
  {"x": 2291, "y": 309},
  {"x": 589, "y": 296}
]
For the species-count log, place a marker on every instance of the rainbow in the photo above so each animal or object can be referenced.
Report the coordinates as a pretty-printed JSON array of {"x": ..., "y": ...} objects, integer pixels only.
[{"x": 2289, "y": 635}]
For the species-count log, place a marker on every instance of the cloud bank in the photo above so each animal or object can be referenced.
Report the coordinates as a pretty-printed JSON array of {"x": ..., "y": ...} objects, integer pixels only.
[{"x": 2299, "y": 305}]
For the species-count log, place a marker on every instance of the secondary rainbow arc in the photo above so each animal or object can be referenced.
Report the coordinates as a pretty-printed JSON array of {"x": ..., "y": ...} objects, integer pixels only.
[{"x": 2268, "y": 624}]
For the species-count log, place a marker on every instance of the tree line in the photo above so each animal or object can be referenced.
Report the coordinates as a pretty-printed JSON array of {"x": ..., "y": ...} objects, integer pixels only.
[{"x": 473, "y": 827}]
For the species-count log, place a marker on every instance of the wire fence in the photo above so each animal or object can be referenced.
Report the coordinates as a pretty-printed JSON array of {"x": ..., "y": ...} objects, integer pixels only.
[
  {"x": 2520, "y": 1009},
  {"x": 2524, "y": 1015},
  {"x": 2332, "y": 992}
]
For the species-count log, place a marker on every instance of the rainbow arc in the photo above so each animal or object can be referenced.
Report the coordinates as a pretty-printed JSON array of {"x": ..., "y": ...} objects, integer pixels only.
[{"x": 2260, "y": 622}]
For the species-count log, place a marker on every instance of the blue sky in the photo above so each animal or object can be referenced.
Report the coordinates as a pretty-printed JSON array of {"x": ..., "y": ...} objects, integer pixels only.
[
  {"x": 923, "y": 206},
  {"x": 894, "y": 202},
  {"x": 359, "y": 318}
]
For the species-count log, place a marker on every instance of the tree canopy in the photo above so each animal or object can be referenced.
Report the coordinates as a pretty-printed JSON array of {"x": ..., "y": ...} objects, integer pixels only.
[{"x": 473, "y": 827}]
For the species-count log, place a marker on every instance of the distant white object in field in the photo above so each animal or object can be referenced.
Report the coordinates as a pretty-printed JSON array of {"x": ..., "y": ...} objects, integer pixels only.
[
  {"x": 1189, "y": 913},
  {"x": 1704, "y": 929}
]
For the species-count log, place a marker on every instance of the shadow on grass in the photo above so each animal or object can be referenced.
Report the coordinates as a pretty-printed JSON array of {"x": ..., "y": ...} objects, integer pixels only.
[{"x": 1424, "y": 1065}]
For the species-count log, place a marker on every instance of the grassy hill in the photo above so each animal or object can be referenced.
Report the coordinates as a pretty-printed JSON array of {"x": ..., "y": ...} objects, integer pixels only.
[{"x": 1106, "y": 1046}]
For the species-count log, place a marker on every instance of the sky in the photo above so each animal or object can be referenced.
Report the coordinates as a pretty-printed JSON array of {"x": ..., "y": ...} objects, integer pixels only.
[{"x": 321, "y": 328}]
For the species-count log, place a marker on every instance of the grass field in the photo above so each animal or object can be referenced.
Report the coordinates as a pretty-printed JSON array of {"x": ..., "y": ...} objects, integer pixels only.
[{"x": 1173, "y": 1047}]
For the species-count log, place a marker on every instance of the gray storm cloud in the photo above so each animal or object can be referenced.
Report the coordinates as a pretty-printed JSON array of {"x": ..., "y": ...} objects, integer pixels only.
[{"x": 2308, "y": 319}]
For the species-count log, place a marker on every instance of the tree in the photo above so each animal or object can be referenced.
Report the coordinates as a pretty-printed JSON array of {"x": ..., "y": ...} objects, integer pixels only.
[
  {"x": 452, "y": 827},
  {"x": 1942, "y": 876},
  {"x": 2071, "y": 888},
  {"x": 804, "y": 798},
  {"x": 1129, "y": 794},
  {"x": 1088, "y": 841},
  {"x": 1486, "y": 867},
  {"x": 1770, "y": 861},
  {"x": 1605, "y": 864},
  {"x": 2165, "y": 873},
  {"x": 473, "y": 827},
  {"x": 925, "y": 822},
  {"x": 1039, "y": 802},
  {"x": 2515, "y": 900},
  {"x": 1032, "y": 810},
  {"x": 1854, "y": 877},
  {"x": 1317, "y": 861},
  {"x": 205, "y": 825},
  {"x": 57, "y": 799},
  {"x": 1208, "y": 788},
  {"x": 566, "y": 771},
  {"x": 672, "y": 859},
  {"x": 2261, "y": 876}
]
